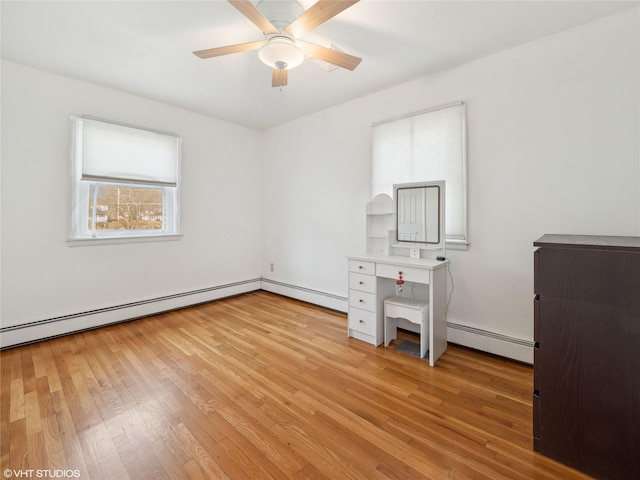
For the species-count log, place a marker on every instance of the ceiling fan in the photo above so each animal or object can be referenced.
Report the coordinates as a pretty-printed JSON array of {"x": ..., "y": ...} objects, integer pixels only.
[{"x": 282, "y": 48}]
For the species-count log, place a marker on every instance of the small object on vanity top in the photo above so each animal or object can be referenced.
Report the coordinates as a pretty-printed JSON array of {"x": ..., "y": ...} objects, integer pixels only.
[{"x": 442, "y": 259}]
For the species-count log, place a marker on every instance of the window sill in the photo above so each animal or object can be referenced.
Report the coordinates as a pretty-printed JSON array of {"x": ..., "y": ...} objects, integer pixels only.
[{"x": 84, "y": 242}]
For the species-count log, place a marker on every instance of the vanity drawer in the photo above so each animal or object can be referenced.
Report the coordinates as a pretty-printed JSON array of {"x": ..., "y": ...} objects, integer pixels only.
[
  {"x": 362, "y": 267},
  {"x": 362, "y": 321},
  {"x": 363, "y": 300},
  {"x": 409, "y": 274},
  {"x": 361, "y": 282}
]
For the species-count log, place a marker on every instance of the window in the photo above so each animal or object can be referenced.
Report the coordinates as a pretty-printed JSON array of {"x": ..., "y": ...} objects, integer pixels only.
[
  {"x": 425, "y": 146},
  {"x": 125, "y": 181}
]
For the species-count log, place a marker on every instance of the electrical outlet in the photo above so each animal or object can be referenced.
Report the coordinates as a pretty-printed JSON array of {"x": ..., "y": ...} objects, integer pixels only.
[{"x": 272, "y": 267}]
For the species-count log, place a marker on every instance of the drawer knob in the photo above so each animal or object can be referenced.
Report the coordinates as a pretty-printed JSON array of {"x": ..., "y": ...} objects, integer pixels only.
[
  {"x": 361, "y": 321},
  {"x": 361, "y": 300},
  {"x": 360, "y": 267},
  {"x": 361, "y": 282}
]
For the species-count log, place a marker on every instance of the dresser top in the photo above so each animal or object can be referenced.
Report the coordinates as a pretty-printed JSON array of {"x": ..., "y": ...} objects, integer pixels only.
[{"x": 595, "y": 242}]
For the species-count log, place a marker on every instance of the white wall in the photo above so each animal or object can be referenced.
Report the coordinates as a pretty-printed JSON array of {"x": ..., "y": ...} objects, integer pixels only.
[
  {"x": 43, "y": 278},
  {"x": 553, "y": 147}
]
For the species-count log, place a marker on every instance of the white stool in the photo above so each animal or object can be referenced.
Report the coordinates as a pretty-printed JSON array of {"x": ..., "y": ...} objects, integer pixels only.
[{"x": 415, "y": 311}]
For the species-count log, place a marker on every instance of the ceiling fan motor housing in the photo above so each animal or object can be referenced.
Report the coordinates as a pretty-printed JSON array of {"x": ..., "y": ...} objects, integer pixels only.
[{"x": 280, "y": 12}]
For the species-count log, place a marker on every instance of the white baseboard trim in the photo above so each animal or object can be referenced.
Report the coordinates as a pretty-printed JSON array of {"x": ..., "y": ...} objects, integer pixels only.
[
  {"x": 490, "y": 342},
  {"x": 323, "y": 299},
  {"x": 57, "y": 326}
]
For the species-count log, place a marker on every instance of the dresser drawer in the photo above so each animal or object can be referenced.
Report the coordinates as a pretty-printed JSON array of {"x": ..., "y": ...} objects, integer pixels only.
[
  {"x": 363, "y": 300},
  {"x": 362, "y": 267},
  {"x": 409, "y": 274},
  {"x": 361, "y": 282},
  {"x": 362, "y": 321}
]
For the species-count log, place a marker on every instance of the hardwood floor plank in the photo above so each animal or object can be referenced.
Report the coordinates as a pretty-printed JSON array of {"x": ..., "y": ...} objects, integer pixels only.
[
  {"x": 39, "y": 367},
  {"x": 28, "y": 372},
  {"x": 36, "y": 454},
  {"x": 174, "y": 469},
  {"x": 69, "y": 439},
  {"x": 55, "y": 457},
  {"x": 133, "y": 464},
  {"x": 19, "y": 445},
  {"x": 5, "y": 406},
  {"x": 49, "y": 364},
  {"x": 101, "y": 455},
  {"x": 175, "y": 454},
  {"x": 263, "y": 387},
  {"x": 199, "y": 453},
  {"x": 16, "y": 405},
  {"x": 193, "y": 471},
  {"x": 32, "y": 412},
  {"x": 45, "y": 401},
  {"x": 238, "y": 461}
]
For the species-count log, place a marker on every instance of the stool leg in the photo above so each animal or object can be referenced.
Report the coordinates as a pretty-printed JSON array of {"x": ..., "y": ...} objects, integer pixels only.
[
  {"x": 390, "y": 328},
  {"x": 424, "y": 336}
]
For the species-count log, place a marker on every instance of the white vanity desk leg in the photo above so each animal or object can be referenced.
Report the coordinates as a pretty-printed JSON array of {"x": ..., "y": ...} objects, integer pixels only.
[{"x": 438, "y": 314}]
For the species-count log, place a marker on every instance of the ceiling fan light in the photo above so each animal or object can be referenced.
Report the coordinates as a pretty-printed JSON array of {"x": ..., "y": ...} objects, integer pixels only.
[{"x": 281, "y": 53}]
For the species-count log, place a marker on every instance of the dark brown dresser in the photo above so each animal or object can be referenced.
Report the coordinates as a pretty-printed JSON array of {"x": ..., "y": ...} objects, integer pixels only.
[{"x": 586, "y": 399}]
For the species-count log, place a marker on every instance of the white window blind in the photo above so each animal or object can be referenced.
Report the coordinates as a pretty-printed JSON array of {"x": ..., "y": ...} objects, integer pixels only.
[
  {"x": 118, "y": 153},
  {"x": 425, "y": 146},
  {"x": 125, "y": 183}
]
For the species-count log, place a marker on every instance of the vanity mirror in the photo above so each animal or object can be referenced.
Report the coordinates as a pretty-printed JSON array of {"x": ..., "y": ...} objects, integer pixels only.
[{"x": 419, "y": 214}]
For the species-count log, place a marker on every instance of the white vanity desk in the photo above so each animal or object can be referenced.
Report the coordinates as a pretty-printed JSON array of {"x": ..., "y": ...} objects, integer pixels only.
[{"x": 372, "y": 280}]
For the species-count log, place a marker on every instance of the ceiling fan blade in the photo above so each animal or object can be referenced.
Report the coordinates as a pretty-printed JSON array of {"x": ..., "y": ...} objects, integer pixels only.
[
  {"x": 317, "y": 14},
  {"x": 279, "y": 78},
  {"x": 218, "y": 51},
  {"x": 329, "y": 55},
  {"x": 252, "y": 13}
]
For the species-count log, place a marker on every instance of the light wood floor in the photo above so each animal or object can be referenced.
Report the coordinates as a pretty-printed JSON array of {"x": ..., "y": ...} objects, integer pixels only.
[{"x": 262, "y": 387}]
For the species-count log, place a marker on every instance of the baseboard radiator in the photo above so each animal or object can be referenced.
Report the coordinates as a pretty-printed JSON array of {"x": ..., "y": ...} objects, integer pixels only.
[
  {"x": 57, "y": 326},
  {"x": 479, "y": 339}
]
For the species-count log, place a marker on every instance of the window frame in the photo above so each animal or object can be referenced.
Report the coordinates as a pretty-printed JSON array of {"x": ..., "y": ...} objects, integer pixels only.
[
  {"x": 460, "y": 242},
  {"x": 79, "y": 231}
]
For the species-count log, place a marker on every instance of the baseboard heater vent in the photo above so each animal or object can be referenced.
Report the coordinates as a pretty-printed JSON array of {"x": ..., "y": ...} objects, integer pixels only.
[
  {"x": 316, "y": 297},
  {"x": 489, "y": 334},
  {"x": 124, "y": 306},
  {"x": 304, "y": 289}
]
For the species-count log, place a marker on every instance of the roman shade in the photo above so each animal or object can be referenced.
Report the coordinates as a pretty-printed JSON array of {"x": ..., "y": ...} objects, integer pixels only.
[{"x": 117, "y": 153}]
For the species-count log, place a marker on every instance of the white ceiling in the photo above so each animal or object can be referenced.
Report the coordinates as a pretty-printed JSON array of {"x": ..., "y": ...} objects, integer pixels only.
[{"x": 144, "y": 47}]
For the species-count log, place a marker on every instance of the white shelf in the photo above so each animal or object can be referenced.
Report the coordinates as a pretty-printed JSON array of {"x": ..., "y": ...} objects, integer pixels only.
[{"x": 379, "y": 223}]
